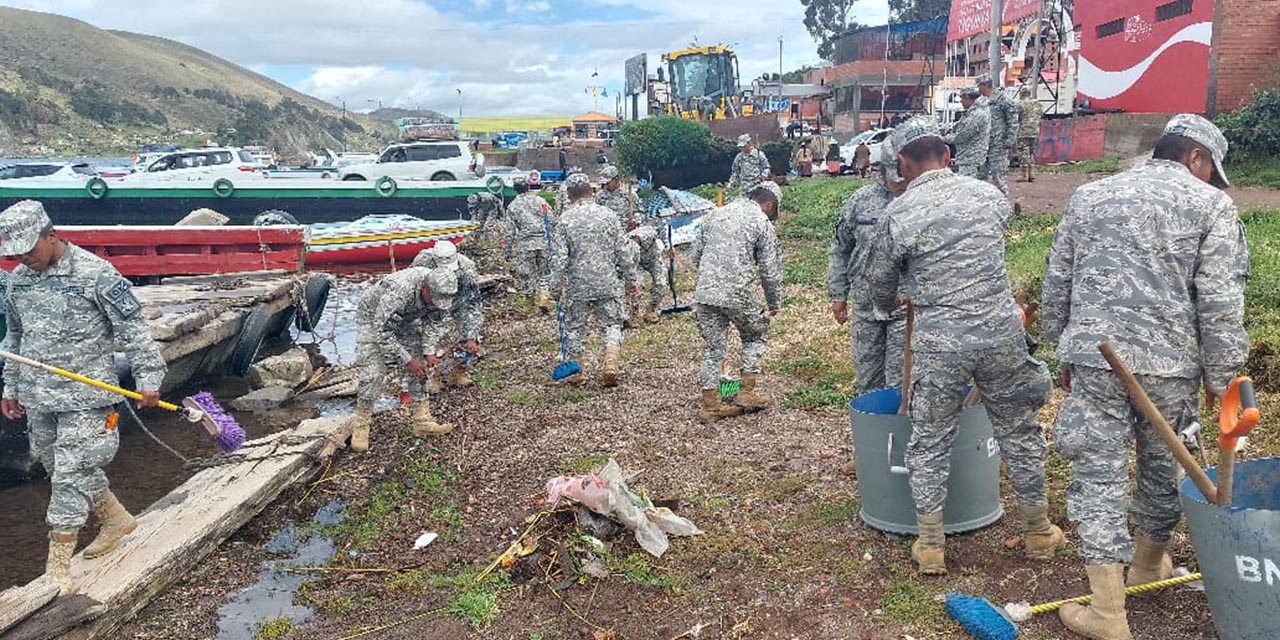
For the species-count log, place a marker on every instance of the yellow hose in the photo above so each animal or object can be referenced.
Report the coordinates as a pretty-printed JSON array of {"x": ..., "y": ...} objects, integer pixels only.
[{"x": 1137, "y": 588}]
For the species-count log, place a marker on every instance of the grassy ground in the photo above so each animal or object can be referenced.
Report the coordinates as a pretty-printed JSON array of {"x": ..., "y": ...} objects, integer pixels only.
[
  {"x": 513, "y": 123},
  {"x": 1098, "y": 166},
  {"x": 1248, "y": 171},
  {"x": 783, "y": 554}
]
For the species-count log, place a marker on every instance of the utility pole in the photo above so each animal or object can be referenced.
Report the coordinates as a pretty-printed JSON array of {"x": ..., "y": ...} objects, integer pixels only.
[
  {"x": 779, "y": 69},
  {"x": 1040, "y": 36},
  {"x": 459, "y": 107},
  {"x": 344, "y": 122},
  {"x": 997, "y": 23}
]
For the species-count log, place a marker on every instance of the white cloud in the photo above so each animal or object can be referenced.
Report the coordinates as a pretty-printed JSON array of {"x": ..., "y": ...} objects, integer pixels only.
[{"x": 406, "y": 52}]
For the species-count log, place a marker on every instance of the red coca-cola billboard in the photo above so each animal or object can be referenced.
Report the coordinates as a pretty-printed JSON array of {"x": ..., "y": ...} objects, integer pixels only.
[{"x": 971, "y": 17}]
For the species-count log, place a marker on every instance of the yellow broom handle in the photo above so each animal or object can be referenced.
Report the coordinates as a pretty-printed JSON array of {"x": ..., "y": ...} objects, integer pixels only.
[
  {"x": 1137, "y": 588},
  {"x": 79, "y": 378}
]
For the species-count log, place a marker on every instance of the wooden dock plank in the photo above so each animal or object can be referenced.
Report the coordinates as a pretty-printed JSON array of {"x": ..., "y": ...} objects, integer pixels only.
[{"x": 185, "y": 526}]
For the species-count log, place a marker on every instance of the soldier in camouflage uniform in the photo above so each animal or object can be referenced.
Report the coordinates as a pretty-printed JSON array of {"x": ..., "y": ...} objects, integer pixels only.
[
  {"x": 1004, "y": 131},
  {"x": 1153, "y": 260},
  {"x": 590, "y": 264},
  {"x": 1029, "y": 115},
  {"x": 616, "y": 197},
  {"x": 649, "y": 254},
  {"x": 562, "y": 192},
  {"x": 69, "y": 308},
  {"x": 877, "y": 344},
  {"x": 399, "y": 322},
  {"x": 467, "y": 313},
  {"x": 750, "y": 166},
  {"x": 528, "y": 244},
  {"x": 972, "y": 134},
  {"x": 733, "y": 243},
  {"x": 942, "y": 245},
  {"x": 491, "y": 231}
]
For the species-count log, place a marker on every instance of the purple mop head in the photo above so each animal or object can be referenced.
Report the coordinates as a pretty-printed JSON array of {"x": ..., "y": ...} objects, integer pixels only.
[{"x": 221, "y": 425}]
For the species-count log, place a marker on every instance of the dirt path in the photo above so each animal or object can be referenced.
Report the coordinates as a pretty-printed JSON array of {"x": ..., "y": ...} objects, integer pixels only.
[
  {"x": 784, "y": 554},
  {"x": 1050, "y": 192}
]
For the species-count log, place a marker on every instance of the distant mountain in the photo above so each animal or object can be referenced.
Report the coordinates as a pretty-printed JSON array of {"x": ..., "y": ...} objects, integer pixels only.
[{"x": 67, "y": 87}]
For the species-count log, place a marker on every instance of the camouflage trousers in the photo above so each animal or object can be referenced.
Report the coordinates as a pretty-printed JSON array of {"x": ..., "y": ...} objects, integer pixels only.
[
  {"x": 533, "y": 271},
  {"x": 609, "y": 315},
  {"x": 73, "y": 446},
  {"x": 657, "y": 271},
  {"x": 1026, "y": 152},
  {"x": 1013, "y": 386},
  {"x": 972, "y": 170},
  {"x": 1093, "y": 430},
  {"x": 997, "y": 172},
  {"x": 375, "y": 367},
  {"x": 713, "y": 326},
  {"x": 877, "y": 351}
]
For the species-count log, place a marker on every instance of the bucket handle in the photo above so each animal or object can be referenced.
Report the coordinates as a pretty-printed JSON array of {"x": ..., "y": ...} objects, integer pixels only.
[{"x": 888, "y": 454}]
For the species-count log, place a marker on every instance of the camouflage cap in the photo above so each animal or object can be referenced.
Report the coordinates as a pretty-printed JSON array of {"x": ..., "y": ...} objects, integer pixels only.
[
  {"x": 744, "y": 140},
  {"x": 577, "y": 179},
  {"x": 608, "y": 173},
  {"x": 984, "y": 79},
  {"x": 889, "y": 160},
  {"x": 443, "y": 283},
  {"x": 770, "y": 186},
  {"x": 1206, "y": 134},
  {"x": 914, "y": 129},
  {"x": 643, "y": 233},
  {"x": 20, "y": 227},
  {"x": 970, "y": 92}
]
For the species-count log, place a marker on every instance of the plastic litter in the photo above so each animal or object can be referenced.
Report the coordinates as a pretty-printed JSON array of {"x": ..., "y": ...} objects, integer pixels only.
[
  {"x": 606, "y": 492},
  {"x": 424, "y": 540}
]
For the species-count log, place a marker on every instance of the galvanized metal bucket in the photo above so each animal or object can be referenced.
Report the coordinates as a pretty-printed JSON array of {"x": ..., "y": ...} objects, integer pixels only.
[
  {"x": 881, "y": 435},
  {"x": 1238, "y": 550}
]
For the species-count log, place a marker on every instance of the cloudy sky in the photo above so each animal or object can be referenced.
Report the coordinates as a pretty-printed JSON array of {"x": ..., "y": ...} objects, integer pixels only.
[{"x": 509, "y": 57}]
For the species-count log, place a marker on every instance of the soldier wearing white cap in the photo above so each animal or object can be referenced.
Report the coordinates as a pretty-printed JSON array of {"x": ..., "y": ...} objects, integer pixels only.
[
  {"x": 1153, "y": 260},
  {"x": 68, "y": 308},
  {"x": 750, "y": 166}
]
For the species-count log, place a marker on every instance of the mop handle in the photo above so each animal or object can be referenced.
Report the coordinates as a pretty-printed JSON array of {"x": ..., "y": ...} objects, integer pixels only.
[
  {"x": 79, "y": 378},
  {"x": 671, "y": 268},
  {"x": 1137, "y": 588},
  {"x": 564, "y": 353}
]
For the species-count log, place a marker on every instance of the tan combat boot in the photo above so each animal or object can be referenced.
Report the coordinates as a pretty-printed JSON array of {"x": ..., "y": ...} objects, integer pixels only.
[
  {"x": 849, "y": 468},
  {"x": 713, "y": 409},
  {"x": 424, "y": 424},
  {"x": 459, "y": 377},
  {"x": 1150, "y": 562},
  {"x": 360, "y": 429},
  {"x": 651, "y": 314},
  {"x": 929, "y": 549},
  {"x": 1104, "y": 618},
  {"x": 747, "y": 397},
  {"x": 434, "y": 385},
  {"x": 116, "y": 524},
  {"x": 1041, "y": 539},
  {"x": 609, "y": 376},
  {"x": 62, "y": 545}
]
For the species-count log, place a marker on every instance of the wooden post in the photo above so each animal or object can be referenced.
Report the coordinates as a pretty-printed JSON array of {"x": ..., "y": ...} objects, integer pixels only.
[{"x": 391, "y": 253}]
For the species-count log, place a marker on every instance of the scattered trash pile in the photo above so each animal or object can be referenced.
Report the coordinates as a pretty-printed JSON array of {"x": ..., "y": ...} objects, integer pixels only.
[{"x": 572, "y": 538}]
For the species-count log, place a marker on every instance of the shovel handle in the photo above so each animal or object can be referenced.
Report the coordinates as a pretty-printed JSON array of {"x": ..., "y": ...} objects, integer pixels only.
[
  {"x": 904, "y": 401},
  {"x": 1166, "y": 432},
  {"x": 13, "y": 357}
]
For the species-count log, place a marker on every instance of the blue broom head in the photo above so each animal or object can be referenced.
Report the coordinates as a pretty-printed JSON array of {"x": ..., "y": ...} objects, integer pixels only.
[
  {"x": 983, "y": 620},
  {"x": 565, "y": 369}
]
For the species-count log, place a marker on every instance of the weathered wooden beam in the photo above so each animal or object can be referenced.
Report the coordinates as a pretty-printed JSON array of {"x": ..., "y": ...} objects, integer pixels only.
[
  {"x": 183, "y": 527},
  {"x": 20, "y": 602}
]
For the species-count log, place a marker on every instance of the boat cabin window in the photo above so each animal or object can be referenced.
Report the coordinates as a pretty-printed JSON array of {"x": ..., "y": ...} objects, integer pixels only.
[{"x": 28, "y": 171}]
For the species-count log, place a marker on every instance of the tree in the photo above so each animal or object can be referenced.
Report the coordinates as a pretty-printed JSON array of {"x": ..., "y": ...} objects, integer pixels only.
[
  {"x": 826, "y": 21},
  {"x": 912, "y": 10}
]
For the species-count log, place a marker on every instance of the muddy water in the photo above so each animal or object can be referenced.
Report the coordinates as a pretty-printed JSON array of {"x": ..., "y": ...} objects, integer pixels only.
[{"x": 142, "y": 471}]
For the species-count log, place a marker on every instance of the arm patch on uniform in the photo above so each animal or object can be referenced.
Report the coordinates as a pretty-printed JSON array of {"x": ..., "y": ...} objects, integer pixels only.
[{"x": 120, "y": 296}]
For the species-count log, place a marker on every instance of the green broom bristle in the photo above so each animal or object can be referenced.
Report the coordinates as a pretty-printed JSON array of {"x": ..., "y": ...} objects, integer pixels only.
[{"x": 730, "y": 388}]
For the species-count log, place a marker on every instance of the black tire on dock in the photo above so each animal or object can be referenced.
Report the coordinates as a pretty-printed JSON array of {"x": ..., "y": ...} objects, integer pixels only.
[
  {"x": 252, "y": 333},
  {"x": 316, "y": 294},
  {"x": 274, "y": 217}
]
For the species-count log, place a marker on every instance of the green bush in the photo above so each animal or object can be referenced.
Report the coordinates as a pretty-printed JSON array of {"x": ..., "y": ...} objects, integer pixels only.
[
  {"x": 779, "y": 154},
  {"x": 673, "y": 151},
  {"x": 1254, "y": 129}
]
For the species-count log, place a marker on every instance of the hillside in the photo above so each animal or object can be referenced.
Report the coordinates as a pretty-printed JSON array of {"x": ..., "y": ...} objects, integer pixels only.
[{"x": 67, "y": 87}]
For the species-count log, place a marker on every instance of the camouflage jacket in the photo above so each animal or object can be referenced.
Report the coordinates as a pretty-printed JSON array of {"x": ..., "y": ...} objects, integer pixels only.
[
  {"x": 942, "y": 244},
  {"x": 392, "y": 306},
  {"x": 589, "y": 255},
  {"x": 72, "y": 316},
  {"x": 649, "y": 248},
  {"x": 1004, "y": 120},
  {"x": 734, "y": 243},
  {"x": 1155, "y": 261},
  {"x": 1029, "y": 114},
  {"x": 851, "y": 244},
  {"x": 972, "y": 134},
  {"x": 749, "y": 170},
  {"x": 486, "y": 210},
  {"x": 622, "y": 203},
  {"x": 528, "y": 230}
]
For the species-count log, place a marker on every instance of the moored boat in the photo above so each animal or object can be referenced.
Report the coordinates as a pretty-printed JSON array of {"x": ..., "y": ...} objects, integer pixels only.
[{"x": 380, "y": 239}]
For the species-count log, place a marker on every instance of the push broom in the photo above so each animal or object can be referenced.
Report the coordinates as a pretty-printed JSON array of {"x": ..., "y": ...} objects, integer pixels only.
[
  {"x": 201, "y": 407},
  {"x": 567, "y": 367},
  {"x": 675, "y": 307}
]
